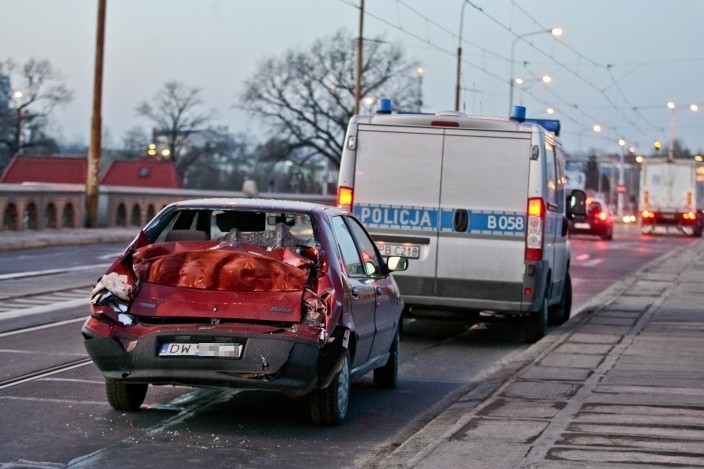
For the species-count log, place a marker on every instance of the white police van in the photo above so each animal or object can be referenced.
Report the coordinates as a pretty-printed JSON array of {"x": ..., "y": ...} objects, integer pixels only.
[{"x": 479, "y": 206}]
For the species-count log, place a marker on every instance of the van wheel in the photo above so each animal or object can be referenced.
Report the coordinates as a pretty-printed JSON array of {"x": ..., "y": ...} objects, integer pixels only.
[
  {"x": 560, "y": 312},
  {"x": 537, "y": 325}
]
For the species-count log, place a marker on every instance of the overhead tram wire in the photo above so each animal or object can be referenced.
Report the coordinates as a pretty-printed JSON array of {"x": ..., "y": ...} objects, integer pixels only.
[{"x": 487, "y": 72}]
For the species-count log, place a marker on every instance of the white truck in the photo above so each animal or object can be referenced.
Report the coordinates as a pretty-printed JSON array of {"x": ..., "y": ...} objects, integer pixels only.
[
  {"x": 479, "y": 206},
  {"x": 671, "y": 197}
]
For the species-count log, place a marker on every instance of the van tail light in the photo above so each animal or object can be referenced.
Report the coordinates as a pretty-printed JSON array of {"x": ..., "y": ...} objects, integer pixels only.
[
  {"x": 345, "y": 196},
  {"x": 689, "y": 216},
  {"x": 647, "y": 214},
  {"x": 535, "y": 228}
]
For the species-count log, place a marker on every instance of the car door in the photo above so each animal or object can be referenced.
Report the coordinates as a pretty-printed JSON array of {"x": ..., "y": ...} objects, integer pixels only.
[
  {"x": 388, "y": 303},
  {"x": 361, "y": 290}
]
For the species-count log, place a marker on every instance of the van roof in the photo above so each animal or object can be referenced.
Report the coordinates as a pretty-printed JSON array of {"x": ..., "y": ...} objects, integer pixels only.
[{"x": 450, "y": 119}]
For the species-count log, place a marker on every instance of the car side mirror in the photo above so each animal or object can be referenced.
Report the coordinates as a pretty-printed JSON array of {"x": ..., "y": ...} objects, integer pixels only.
[
  {"x": 397, "y": 263},
  {"x": 577, "y": 205}
]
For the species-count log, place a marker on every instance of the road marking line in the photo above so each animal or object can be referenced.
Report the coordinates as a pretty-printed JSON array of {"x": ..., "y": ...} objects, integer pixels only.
[
  {"x": 46, "y": 399},
  {"x": 20, "y": 313},
  {"x": 43, "y": 326},
  {"x": 37, "y": 273}
]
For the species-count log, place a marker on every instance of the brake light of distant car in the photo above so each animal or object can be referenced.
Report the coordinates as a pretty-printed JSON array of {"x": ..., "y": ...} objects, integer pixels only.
[
  {"x": 534, "y": 231},
  {"x": 646, "y": 214},
  {"x": 345, "y": 197},
  {"x": 689, "y": 216},
  {"x": 601, "y": 216}
]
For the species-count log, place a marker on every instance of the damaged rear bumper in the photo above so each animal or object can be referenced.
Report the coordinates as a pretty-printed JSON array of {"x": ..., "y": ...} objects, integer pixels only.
[{"x": 273, "y": 362}]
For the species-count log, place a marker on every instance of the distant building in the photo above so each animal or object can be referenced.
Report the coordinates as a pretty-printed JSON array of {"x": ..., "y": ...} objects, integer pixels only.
[
  {"x": 142, "y": 173},
  {"x": 73, "y": 170},
  {"x": 46, "y": 169}
]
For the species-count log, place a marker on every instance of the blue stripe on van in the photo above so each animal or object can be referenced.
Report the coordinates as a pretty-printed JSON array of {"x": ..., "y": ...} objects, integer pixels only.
[{"x": 481, "y": 222}]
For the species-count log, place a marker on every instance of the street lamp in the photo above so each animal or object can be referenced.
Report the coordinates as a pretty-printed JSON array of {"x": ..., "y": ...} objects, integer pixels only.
[
  {"x": 17, "y": 95},
  {"x": 554, "y": 31},
  {"x": 520, "y": 81},
  {"x": 672, "y": 107},
  {"x": 419, "y": 103},
  {"x": 459, "y": 57},
  {"x": 621, "y": 183}
]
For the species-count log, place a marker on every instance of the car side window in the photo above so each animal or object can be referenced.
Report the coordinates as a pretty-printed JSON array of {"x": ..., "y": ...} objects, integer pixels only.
[
  {"x": 348, "y": 249},
  {"x": 370, "y": 258}
]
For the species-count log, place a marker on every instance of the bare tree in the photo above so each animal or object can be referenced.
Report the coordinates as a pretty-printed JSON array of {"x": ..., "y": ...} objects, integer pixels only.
[
  {"x": 37, "y": 89},
  {"x": 174, "y": 110},
  {"x": 307, "y": 97}
]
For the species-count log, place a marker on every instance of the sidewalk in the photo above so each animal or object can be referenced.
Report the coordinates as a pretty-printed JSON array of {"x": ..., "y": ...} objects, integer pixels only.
[{"x": 620, "y": 384}]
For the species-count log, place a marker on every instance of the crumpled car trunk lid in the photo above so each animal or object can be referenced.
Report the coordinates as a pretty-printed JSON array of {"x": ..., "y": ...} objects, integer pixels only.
[{"x": 219, "y": 281}]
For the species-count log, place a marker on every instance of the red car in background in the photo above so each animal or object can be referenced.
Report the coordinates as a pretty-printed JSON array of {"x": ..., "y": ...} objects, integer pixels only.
[
  {"x": 251, "y": 294},
  {"x": 599, "y": 221}
]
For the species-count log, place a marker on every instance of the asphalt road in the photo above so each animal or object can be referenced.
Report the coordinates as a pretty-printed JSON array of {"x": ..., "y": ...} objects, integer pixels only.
[{"x": 53, "y": 409}]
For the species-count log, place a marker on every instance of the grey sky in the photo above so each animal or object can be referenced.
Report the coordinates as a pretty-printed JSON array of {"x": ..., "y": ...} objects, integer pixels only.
[{"x": 614, "y": 56}]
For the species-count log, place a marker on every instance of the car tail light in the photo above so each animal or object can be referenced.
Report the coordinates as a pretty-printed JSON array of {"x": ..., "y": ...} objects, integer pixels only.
[
  {"x": 646, "y": 214},
  {"x": 345, "y": 196},
  {"x": 534, "y": 231},
  {"x": 689, "y": 216},
  {"x": 601, "y": 216}
]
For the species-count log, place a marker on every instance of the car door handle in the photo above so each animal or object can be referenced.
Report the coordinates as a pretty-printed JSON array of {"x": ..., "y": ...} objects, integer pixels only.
[
  {"x": 378, "y": 291},
  {"x": 355, "y": 292}
]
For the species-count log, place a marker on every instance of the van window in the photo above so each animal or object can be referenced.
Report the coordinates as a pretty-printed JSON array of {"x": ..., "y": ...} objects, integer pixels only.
[
  {"x": 551, "y": 174},
  {"x": 561, "y": 179}
]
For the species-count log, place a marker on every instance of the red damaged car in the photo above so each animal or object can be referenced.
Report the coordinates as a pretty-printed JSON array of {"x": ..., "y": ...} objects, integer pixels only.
[{"x": 251, "y": 294}]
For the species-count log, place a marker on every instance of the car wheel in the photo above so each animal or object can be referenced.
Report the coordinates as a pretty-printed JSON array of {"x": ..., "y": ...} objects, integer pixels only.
[
  {"x": 328, "y": 406},
  {"x": 537, "y": 325},
  {"x": 125, "y": 396},
  {"x": 387, "y": 376},
  {"x": 609, "y": 235},
  {"x": 560, "y": 312}
]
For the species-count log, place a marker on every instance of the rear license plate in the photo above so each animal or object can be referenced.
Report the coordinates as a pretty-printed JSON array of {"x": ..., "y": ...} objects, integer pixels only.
[
  {"x": 581, "y": 226},
  {"x": 412, "y": 251},
  {"x": 178, "y": 349}
]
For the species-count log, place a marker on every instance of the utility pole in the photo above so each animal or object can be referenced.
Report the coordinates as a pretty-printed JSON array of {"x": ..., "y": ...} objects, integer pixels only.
[
  {"x": 96, "y": 124},
  {"x": 360, "y": 47}
]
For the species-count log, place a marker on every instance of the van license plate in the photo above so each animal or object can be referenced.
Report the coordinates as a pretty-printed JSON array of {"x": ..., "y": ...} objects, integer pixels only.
[{"x": 411, "y": 251}]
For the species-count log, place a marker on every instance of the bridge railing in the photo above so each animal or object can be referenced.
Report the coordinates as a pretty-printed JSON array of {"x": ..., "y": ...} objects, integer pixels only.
[{"x": 56, "y": 206}]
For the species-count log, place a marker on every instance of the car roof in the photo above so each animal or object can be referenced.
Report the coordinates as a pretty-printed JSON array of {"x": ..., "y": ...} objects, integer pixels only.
[{"x": 273, "y": 205}]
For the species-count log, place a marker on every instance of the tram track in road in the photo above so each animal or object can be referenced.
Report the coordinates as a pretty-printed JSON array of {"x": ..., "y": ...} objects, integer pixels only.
[
  {"x": 43, "y": 373},
  {"x": 47, "y": 370},
  {"x": 33, "y": 300}
]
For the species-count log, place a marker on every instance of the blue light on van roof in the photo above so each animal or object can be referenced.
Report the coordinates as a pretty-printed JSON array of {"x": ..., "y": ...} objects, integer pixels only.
[
  {"x": 384, "y": 106},
  {"x": 551, "y": 125}
]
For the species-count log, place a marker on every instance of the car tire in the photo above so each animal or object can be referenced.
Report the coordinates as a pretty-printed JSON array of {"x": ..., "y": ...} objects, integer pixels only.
[
  {"x": 387, "y": 376},
  {"x": 537, "y": 324},
  {"x": 560, "y": 312},
  {"x": 609, "y": 235},
  {"x": 125, "y": 396},
  {"x": 328, "y": 406}
]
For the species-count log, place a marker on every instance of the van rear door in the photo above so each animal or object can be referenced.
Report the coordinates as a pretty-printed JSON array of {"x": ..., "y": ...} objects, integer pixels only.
[
  {"x": 481, "y": 245},
  {"x": 396, "y": 195}
]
